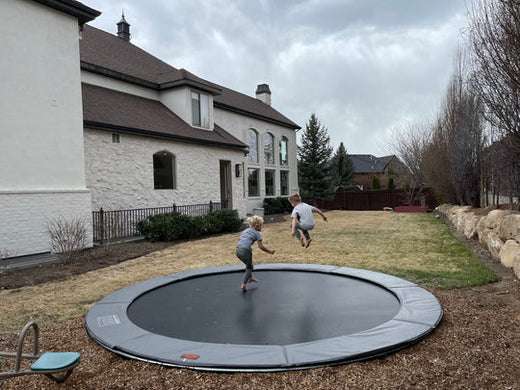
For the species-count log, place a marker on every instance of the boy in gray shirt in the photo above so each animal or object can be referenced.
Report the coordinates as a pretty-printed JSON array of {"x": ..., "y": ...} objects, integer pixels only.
[
  {"x": 244, "y": 251},
  {"x": 302, "y": 219}
]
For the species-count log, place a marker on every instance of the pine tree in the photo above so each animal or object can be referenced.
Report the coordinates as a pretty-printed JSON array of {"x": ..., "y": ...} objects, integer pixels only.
[
  {"x": 342, "y": 167},
  {"x": 314, "y": 162}
]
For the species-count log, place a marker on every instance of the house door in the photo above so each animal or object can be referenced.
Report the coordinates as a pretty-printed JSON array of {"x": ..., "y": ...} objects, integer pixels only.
[{"x": 225, "y": 184}]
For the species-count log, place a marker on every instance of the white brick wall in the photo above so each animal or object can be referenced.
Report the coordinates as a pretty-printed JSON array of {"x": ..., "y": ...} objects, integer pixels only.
[
  {"x": 120, "y": 175},
  {"x": 23, "y": 217}
]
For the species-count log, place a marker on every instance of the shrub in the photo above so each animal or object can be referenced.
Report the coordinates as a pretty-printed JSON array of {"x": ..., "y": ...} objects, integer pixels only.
[
  {"x": 174, "y": 226},
  {"x": 67, "y": 235},
  {"x": 276, "y": 205}
]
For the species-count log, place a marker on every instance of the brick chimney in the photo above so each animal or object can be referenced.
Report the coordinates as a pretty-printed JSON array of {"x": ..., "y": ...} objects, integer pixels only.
[
  {"x": 263, "y": 93},
  {"x": 123, "y": 28}
]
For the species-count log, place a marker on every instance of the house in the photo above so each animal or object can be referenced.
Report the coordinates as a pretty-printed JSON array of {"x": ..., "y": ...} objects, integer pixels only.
[
  {"x": 92, "y": 121},
  {"x": 366, "y": 166}
]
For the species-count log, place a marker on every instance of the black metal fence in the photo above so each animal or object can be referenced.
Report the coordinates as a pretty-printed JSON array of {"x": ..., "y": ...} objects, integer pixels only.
[{"x": 121, "y": 224}]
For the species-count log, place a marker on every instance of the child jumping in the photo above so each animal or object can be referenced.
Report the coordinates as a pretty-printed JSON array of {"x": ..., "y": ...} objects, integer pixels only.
[
  {"x": 302, "y": 219},
  {"x": 244, "y": 251}
]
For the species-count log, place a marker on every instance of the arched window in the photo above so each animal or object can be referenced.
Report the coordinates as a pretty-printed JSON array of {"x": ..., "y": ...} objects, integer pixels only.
[
  {"x": 252, "y": 143},
  {"x": 284, "y": 160},
  {"x": 268, "y": 149},
  {"x": 164, "y": 171}
]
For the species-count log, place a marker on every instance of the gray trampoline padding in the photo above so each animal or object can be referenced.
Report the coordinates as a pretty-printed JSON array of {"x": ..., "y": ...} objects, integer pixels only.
[{"x": 297, "y": 316}]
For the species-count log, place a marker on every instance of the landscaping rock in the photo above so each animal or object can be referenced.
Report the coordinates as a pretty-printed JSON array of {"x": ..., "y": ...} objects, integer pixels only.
[
  {"x": 493, "y": 217},
  {"x": 508, "y": 252},
  {"x": 516, "y": 265},
  {"x": 470, "y": 225},
  {"x": 509, "y": 227},
  {"x": 494, "y": 244}
]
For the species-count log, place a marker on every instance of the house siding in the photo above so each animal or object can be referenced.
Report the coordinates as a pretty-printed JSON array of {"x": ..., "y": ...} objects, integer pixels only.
[
  {"x": 42, "y": 164},
  {"x": 120, "y": 175},
  {"x": 237, "y": 125}
]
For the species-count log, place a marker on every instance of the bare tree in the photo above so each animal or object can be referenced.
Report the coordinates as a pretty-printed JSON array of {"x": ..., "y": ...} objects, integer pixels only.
[{"x": 494, "y": 37}]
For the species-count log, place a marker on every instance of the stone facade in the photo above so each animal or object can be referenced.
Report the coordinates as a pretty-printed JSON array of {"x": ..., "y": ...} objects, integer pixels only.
[{"x": 120, "y": 175}]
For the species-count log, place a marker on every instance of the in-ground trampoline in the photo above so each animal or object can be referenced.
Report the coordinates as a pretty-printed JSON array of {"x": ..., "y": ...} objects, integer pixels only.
[{"x": 298, "y": 316}]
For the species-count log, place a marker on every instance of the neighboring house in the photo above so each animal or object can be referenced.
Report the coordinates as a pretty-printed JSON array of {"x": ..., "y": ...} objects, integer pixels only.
[
  {"x": 134, "y": 132},
  {"x": 367, "y": 166}
]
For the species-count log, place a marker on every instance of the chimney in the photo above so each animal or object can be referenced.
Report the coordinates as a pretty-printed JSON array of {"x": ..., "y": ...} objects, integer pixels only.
[
  {"x": 123, "y": 28},
  {"x": 263, "y": 93}
]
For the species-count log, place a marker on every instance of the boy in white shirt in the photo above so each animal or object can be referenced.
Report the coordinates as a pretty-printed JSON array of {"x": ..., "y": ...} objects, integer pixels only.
[{"x": 302, "y": 219}]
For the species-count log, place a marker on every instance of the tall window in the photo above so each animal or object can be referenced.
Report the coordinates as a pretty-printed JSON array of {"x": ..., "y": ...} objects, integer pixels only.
[
  {"x": 284, "y": 183},
  {"x": 283, "y": 152},
  {"x": 268, "y": 149},
  {"x": 269, "y": 183},
  {"x": 200, "y": 109},
  {"x": 164, "y": 171},
  {"x": 252, "y": 143},
  {"x": 253, "y": 182}
]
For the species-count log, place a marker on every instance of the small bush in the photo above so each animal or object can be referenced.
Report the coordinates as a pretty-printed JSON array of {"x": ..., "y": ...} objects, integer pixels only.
[
  {"x": 67, "y": 235},
  {"x": 174, "y": 226},
  {"x": 278, "y": 205}
]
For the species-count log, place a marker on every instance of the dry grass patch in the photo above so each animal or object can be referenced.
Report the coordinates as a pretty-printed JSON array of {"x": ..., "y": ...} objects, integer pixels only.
[{"x": 414, "y": 246}]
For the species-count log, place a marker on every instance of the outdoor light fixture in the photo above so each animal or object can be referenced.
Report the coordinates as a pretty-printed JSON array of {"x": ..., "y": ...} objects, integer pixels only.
[{"x": 238, "y": 170}]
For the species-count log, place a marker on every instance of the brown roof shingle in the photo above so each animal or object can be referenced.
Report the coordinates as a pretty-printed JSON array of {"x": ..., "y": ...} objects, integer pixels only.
[
  {"x": 108, "y": 54},
  {"x": 111, "y": 110}
]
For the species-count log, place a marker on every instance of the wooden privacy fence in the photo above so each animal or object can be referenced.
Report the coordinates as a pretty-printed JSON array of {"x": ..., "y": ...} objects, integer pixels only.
[
  {"x": 121, "y": 224},
  {"x": 378, "y": 199}
]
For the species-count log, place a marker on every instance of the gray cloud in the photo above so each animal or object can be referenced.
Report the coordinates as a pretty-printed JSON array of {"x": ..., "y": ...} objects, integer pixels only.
[{"x": 363, "y": 67}]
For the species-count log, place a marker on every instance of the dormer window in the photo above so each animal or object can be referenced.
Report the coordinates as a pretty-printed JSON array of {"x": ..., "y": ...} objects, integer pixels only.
[{"x": 200, "y": 110}]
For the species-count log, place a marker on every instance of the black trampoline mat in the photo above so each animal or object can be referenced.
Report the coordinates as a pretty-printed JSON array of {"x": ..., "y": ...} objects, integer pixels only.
[
  {"x": 282, "y": 308},
  {"x": 297, "y": 316}
]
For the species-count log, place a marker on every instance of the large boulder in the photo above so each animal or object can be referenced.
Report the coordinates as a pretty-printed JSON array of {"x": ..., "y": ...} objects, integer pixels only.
[
  {"x": 493, "y": 218},
  {"x": 470, "y": 225},
  {"x": 482, "y": 230},
  {"x": 509, "y": 227},
  {"x": 456, "y": 216},
  {"x": 516, "y": 265},
  {"x": 508, "y": 252},
  {"x": 494, "y": 244}
]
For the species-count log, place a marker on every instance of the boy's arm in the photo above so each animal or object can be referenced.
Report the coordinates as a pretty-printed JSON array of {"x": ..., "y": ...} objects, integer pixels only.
[
  {"x": 321, "y": 213},
  {"x": 262, "y": 247}
]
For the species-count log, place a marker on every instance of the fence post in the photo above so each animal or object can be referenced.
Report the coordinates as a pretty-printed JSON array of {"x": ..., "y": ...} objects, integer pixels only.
[
  {"x": 210, "y": 206},
  {"x": 102, "y": 225}
]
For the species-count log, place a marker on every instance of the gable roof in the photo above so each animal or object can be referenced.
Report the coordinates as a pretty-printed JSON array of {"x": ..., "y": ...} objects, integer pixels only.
[
  {"x": 107, "y": 54},
  {"x": 366, "y": 163},
  {"x": 106, "y": 109}
]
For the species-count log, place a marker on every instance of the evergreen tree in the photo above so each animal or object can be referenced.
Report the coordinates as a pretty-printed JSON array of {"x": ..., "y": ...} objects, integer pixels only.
[
  {"x": 375, "y": 183},
  {"x": 342, "y": 167},
  {"x": 314, "y": 162}
]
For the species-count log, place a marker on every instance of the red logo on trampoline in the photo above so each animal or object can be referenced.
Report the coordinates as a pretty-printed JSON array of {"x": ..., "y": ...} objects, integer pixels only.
[{"x": 189, "y": 356}]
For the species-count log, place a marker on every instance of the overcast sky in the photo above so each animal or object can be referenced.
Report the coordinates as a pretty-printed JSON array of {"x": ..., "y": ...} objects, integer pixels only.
[{"x": 363, "y": 67}]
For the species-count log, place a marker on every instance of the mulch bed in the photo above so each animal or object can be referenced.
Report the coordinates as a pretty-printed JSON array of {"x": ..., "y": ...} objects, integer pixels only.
[{"x": 476, "y": 346}]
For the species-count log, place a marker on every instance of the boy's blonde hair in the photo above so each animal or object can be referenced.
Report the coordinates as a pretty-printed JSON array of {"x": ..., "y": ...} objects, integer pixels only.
[
  {"x": 295, "y": 198},
  {"x": 255, "y": 221}
]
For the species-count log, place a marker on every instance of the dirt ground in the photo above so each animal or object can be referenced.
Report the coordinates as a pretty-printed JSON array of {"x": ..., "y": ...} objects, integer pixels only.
[{"x": 476, "y": 346}]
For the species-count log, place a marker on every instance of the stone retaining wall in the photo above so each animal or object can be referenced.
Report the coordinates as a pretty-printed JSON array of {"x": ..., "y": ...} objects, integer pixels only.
[{"x": 499, "y": 230}]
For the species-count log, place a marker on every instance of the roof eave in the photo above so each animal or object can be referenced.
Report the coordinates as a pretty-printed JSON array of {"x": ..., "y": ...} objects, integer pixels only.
[
  {"x": 154, "y": 134},
  {"x": 74, "y": 8},
  {"x": 257, "y": 116}
]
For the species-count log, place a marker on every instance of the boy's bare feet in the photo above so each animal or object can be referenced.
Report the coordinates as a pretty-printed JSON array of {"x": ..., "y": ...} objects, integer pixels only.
[
  {"x": 251, "y": 280},
  {"x": 308, "y": 243},
  {"x": 243, "y": 287},
  {"x": 302, "y": 241}
]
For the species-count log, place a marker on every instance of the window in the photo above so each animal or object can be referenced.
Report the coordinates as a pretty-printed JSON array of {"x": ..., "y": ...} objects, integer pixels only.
[
  {"x": 115, "y": 138},
  {"x": 164, "y": 171},
  {"x": 269, "y": 183},
  {"x": 284, "y": 183},
  {"x": 252, "y": 143},
  {"x": 200, "y": 110},
  {"x": 268, "y": 149},
  {"x": 283, "y": 152},
  {"x": 253, "y": 184}
]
